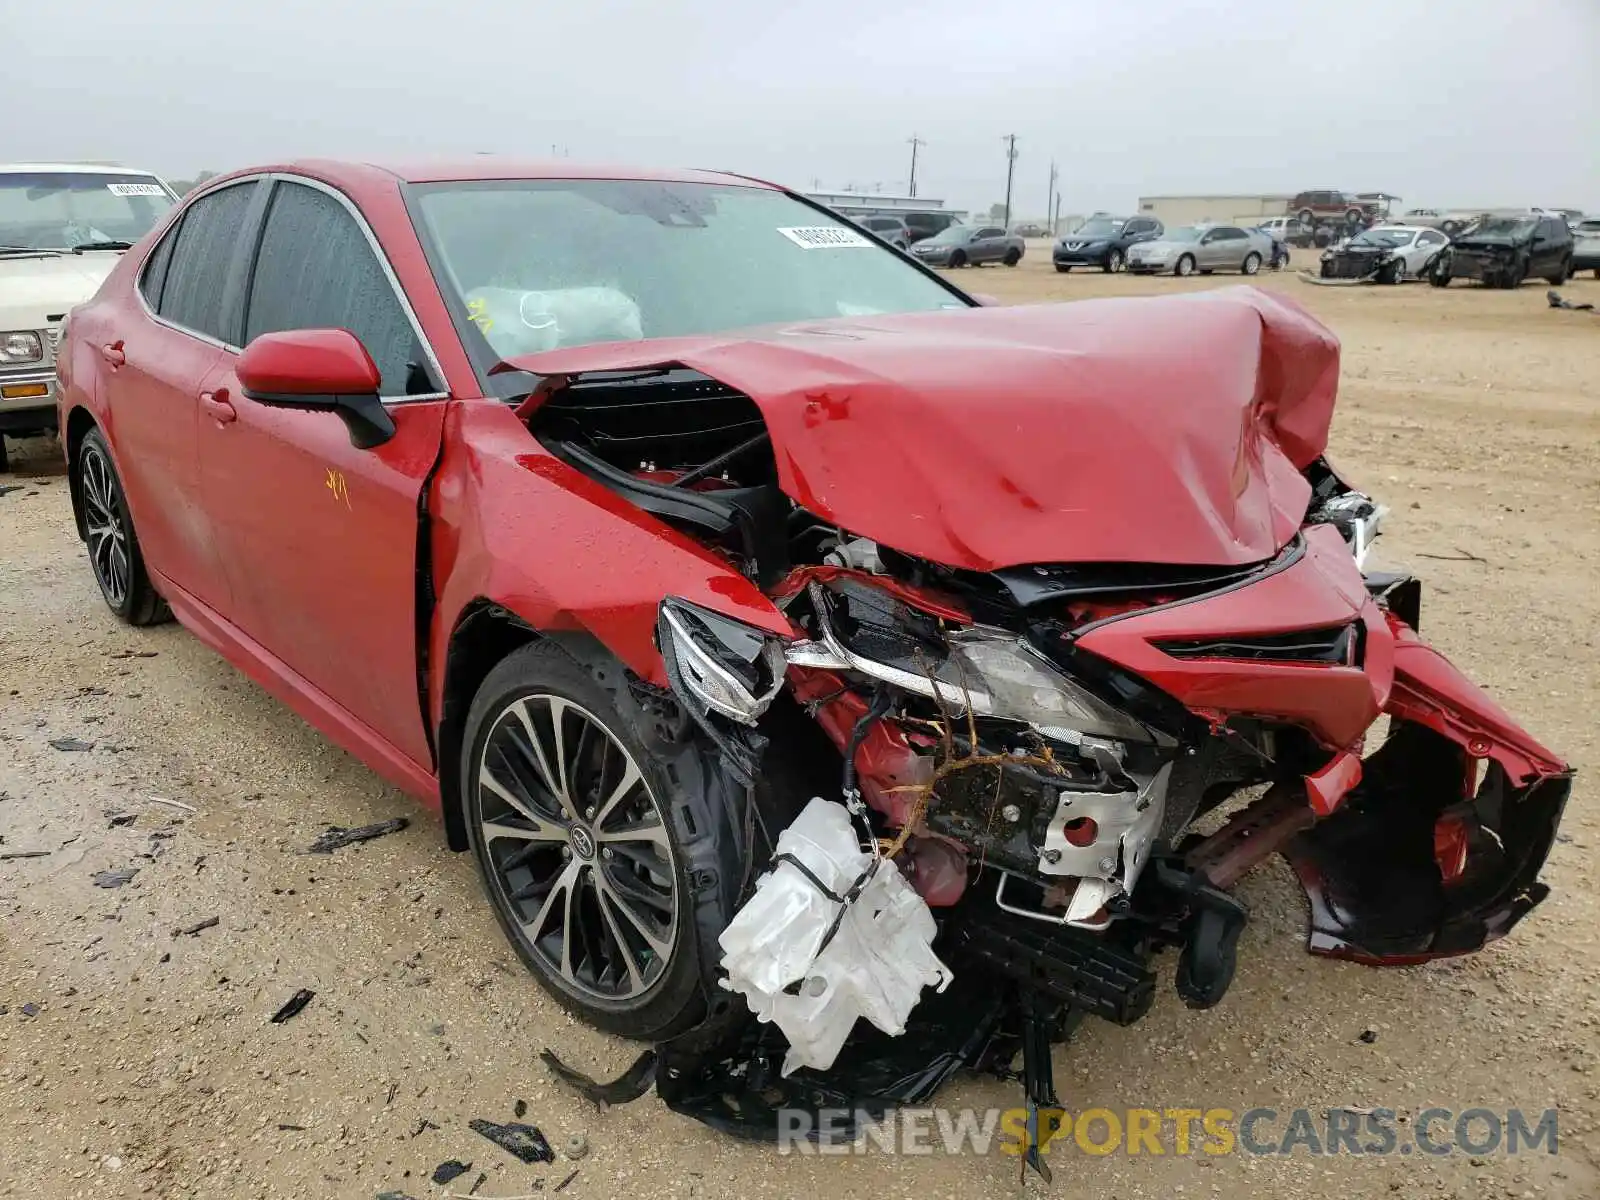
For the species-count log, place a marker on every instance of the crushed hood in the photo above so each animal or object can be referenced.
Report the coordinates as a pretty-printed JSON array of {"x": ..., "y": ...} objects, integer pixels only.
[{"x": 1159, "y": 430}]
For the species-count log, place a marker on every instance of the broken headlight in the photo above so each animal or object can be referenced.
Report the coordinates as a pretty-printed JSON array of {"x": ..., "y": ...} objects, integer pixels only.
[
  {"x": 729, "y": 667},
  {"x": 1018, "y": 684}
]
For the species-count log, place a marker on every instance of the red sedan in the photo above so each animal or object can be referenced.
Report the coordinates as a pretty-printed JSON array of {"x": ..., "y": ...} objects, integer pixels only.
[{"x": 617, "y": 514}]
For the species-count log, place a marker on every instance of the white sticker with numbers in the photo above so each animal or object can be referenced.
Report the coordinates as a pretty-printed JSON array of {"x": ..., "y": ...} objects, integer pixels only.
[
  {"x": 135, "y": 189},
  {"x": 823, "y": 237}
]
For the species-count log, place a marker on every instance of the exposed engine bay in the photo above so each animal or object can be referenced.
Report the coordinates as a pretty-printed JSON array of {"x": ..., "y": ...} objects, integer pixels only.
[{"x": 1033, "y": 749}]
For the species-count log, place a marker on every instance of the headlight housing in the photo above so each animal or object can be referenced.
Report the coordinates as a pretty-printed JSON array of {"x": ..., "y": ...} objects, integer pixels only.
[
  {"x": 20, "y": 346},
  {"x": 731, "y": 668}
]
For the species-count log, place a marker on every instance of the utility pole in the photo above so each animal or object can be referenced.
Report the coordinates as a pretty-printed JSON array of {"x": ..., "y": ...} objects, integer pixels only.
[
  {"x": 915, "y": 142},
  {"x": 1011, "y": 165},
  {"x": 1050, "y": 199}
]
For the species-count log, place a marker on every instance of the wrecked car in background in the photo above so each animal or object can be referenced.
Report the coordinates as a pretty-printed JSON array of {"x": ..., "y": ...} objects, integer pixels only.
[
  {"x": 1385, "y": 254},
  {"x": 1503, "y": 251},
  {"x": 829, "y": 700}
]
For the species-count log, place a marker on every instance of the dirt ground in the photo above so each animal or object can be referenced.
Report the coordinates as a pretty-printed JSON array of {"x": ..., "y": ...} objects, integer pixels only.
[{"x": 135, "y": 1061}]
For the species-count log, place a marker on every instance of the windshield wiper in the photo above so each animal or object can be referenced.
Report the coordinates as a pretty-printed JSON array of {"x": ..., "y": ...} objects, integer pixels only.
[
  {"x": 110, "y": 245},
  {"x": 27, "y": 250}
]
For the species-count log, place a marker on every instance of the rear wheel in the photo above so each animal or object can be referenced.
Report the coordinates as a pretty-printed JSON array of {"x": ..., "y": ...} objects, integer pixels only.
[
  {"x": 114, "y": 553},
  {"x": 1185, "y": 265},
  {"x": 1013, "y": 257},
  {"x": 567, "y": 812},
  {"x": 1307, "y": 218},
  {"x": 1251, "y": 264},
  {"x": 1563, "y": 274}
]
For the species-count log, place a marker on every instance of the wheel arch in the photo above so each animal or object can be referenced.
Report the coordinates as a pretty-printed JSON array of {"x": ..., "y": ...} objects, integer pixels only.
[{"x": 79, "y": 422}]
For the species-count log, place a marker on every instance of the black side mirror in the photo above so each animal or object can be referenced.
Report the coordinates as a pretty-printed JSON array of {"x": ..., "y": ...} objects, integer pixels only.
[{"x": 319, "y": 370}]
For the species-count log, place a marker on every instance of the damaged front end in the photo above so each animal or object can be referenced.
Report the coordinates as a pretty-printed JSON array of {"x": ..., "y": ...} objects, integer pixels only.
[{"x": 980, "y": 799}]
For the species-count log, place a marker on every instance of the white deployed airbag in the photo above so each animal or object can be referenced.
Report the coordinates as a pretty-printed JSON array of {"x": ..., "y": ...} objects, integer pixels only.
[{"x": 874, "y": 965}]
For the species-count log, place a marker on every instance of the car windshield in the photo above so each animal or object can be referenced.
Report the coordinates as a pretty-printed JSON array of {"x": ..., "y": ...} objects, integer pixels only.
[
  {"x": 1099, "y": 227},
  {"x": 541, "y": 264},
  {"x": 1184, "y": 233},
  {"x": 1504, "y": 226},
  {"x": 1381, "y": 237},
  {"x": 62, "y": 210},
  {"x": 951, "y": 235}
]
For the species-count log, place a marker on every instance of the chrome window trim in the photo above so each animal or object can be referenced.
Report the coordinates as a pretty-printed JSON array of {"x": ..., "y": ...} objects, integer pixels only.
[{"x": 372, "y": 242}]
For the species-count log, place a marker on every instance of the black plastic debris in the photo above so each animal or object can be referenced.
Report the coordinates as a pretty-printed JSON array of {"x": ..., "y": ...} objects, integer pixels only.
[
  {"x": 337, "y": 837},
  {"x": 29, "y": 1010},
  {"x": 114, "y": 879},
  {"x": 71, "y": 744},
  {"x": 195, "y": 929},
  {"x": 296, "y": 1003},
  {"x": 1368, "y": 1036},
  {"x": 627, "y": 1087},
  {"x": 132, "y": 654},
  {"x": 7, "y": 488},
  {"x": 520, "y": 1109},
  {"x": 8, "y": 855},
  {"x": 573, "y": 1175},
  {"x": 450, "y": 1170},
  {"x": 523, "y": 1142},
  {"x": 122, "y": 819},
  {"x": 287, "y": 1128},
  {"x": 483, "y": 1177}
]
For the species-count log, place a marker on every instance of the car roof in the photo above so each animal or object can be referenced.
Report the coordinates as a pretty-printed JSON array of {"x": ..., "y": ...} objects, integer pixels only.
[
  {"x": 495, "y": 167},
  {"x": 72, "y": 168}
]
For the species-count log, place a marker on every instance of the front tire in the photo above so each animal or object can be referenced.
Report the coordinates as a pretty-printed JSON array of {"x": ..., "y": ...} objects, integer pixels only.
[
  {"x": 114, "y": 553},
  {"x": 1251, "y": 264},
  {"x": 958, "y": 260},
  {"x": 1184, "y": 266},
  {"x": 567, "y": 805},
  {"x": 1115, "y": 261}
]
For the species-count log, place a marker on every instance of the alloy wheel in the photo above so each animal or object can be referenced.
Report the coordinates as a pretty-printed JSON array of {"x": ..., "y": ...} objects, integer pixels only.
[
  {"x": 108, "y": 534},
  {"x": 577, "y": 845}
]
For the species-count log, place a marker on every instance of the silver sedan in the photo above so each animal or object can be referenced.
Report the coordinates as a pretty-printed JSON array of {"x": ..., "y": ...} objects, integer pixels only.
[{"x": 1202, "y": 248}]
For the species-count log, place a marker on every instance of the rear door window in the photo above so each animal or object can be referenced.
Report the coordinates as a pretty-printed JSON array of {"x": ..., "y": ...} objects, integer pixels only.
[
  {"x": 316, "y": 269},
  {"x": 194, "y": 292}
]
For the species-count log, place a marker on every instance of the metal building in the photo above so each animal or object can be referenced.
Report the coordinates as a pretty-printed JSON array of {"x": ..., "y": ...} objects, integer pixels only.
[
  {"x": 1191, "y": 210},
  {"x": 872, "y": 204}
]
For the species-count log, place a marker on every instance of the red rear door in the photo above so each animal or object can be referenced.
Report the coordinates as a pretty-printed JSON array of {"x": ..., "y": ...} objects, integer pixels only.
[
  {"x": 156, "y": 361},
  {"x": 319, "y": 538}
]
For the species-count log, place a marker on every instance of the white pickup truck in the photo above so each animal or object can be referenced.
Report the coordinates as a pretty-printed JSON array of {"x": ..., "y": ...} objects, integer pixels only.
[{"x": 62, "y": 228}]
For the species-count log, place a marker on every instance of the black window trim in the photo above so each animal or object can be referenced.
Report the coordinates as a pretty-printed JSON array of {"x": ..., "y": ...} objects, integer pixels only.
[
  {"x": 175, "y": 230},
  {"x": 277, "y": 178}
]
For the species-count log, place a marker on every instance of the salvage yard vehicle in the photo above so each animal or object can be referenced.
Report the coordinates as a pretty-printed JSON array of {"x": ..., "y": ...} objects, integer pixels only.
[
  {"x": 1103, "y": 241},
  {"x": 1586, "y": 245},
  {"x": 62, "y": 227},
  {"x": 1503, "y": 251},
  {"x": 1202, "y": 248},
  {"x": 969, "y": 246},
  {"x": 1385, "y": 253},
  {"x": 773, "y": 672}
]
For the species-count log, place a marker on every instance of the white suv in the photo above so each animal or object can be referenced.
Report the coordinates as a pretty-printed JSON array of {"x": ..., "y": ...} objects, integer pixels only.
[{"x": 62, "y": 229}]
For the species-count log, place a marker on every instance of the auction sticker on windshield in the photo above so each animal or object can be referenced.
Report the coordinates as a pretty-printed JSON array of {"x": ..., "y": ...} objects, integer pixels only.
[
  {"x": 823, "y": 237},
  {"x": 135, "y": 189}
]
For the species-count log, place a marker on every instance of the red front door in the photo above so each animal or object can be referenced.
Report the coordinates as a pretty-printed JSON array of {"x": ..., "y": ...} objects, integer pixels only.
[{"x": 320, "y": 541}]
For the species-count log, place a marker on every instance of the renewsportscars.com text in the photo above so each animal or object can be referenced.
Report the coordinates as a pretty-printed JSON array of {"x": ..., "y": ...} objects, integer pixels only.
[{"x": 1359, "y": 1132}]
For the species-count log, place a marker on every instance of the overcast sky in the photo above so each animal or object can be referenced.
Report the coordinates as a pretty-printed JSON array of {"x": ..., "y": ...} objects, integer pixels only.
[{"x": 1446, "y": 102}]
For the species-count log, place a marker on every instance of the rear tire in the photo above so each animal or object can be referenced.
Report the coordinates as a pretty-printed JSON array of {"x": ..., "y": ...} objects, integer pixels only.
[
  {"x": 5, "y": 463},
  {"x": 1307, "y": 218},
  {"x": 1013, "y": 257},
  {"x": 114, "y": 553},
  {"x": 593, "y": 895},
  {"x": 1561, "y": 276}
]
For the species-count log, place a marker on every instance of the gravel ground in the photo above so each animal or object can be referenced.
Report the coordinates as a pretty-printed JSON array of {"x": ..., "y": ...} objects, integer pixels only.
[{"x": 138, "y": 1061}]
